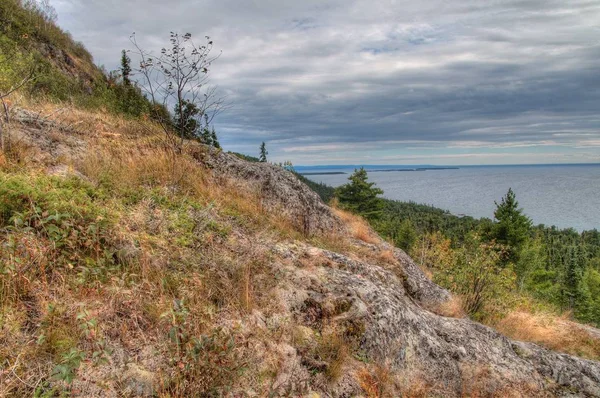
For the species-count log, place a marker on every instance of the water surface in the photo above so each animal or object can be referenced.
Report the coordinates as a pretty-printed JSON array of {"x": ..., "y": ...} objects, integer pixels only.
[{"x": 561, "y": 195}]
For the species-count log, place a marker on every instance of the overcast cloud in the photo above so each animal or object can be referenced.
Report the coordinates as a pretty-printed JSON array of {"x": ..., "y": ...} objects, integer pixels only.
[{"x": 383, "y": 82}]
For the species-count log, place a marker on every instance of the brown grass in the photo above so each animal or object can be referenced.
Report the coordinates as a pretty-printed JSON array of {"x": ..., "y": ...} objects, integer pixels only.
[
  {"x": 217, "y": 275},
  {"x": 452, "y": 308},
  {"x": 551, "y": 331},
  {"x": 387, "y": 256},
  {"x": 375, "y": 381},
  {"x": 333, "y": 349},
  {"x": 481, "y": 381},
  {"x": 358, "y": 227}
]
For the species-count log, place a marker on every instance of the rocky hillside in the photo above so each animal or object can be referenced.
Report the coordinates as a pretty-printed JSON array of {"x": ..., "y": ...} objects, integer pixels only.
[
  {"x": 128, "y": 269},
  {"x": 127, "y": 272}
]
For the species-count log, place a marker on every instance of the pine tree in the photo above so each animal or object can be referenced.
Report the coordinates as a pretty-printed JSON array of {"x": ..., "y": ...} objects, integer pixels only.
[
  {"x": 360, "y": 196},
  {"x": 206, "y": 137},
  {"x": 512, "y": 227},
  {"x": 406, "y": 235},
  {"x": 263, "y": 152},
  {"x": 213, "y": 137},
  {"x": 125, "y": 68},
  {"x": 573, "y": 276},
  {"x": 185, "y": 119}
]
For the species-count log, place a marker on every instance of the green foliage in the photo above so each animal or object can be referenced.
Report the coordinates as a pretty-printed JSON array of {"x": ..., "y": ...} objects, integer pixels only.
[
  {"x": 214, "y": 141},
  {"x": 262, "y": 157},
  {"x": 588, "y": 308},
  {"x": 475, "y": 273},
  {"x": 15, "y": 64},
  {"x": 63, "y": 70},
  {"x": 531, "y": 263},
  {"x": 64, "y": 213},
  {"x": 406, "y": 235},
  {"x": 360, "y": 196},
  {"x": 45, "y": 390},
  {"x": 185, "y": 119},
  {"x": 207, "y": 365},
  {"x": 323, "y": 190},
  {"x": 512, "y": 228},
  {"x": 125, "y": 68},
  {"x": 27, "y": 24},
  {"x": 66, "y": 370},
  {"x": 187, "y": 122}
]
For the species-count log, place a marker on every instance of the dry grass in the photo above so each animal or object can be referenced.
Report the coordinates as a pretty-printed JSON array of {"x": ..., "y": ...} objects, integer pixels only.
[
  {"x": 388, "y": 257},
  {"x": 481, "y": 381},
  {"x": 358, "y": 227},
  {"x": 551, "y": 331},
  {"x": 452, "y": 308},
  {"x": 332, "y": 349},
  {"x": 375, "y": 381},
  {"x": 183, "y": 268}
]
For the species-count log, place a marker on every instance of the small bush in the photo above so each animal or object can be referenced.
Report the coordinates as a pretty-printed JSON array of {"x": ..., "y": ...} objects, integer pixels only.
[
  {"x": 53, "y": 223},
  {"x": 207, "y": 365}
]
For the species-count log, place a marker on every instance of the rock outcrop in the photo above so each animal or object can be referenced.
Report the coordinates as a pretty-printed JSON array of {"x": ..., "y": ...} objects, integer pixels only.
[
  {"x": 456, "y": 357},
  {"x": 281, "y": 191}
]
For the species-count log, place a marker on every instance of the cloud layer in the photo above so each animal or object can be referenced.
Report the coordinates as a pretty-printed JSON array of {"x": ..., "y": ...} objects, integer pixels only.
[{"x": 398, "y": 82}]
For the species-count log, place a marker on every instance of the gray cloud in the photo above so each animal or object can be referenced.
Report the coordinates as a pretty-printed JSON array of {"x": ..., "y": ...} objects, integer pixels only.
[{"x": 387, "y": 81}]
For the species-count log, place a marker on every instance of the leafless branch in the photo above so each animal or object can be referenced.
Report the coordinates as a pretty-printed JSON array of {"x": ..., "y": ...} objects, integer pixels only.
[{"x": 178, "y": 79}]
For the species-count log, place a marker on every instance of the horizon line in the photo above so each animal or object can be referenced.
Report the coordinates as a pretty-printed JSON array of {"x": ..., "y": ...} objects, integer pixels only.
[{"x": 450, "y": 165}]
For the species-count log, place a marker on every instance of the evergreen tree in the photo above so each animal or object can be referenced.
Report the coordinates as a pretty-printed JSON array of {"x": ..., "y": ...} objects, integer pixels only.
[
  {"x": 125, "y": 68},
  {"x": 213, "y": 137},
  {"x": 360, "y": 196},
  {"x": 263, "y": 152},
  {"x": 185, "y": 119},
  {"x": 206, "y": 137},
  {"x": 573, "y": 291},
  {"x": 512, "y": 228},
  {"x": 588, "y": 309},
  {"x": 406, "y": 235}
]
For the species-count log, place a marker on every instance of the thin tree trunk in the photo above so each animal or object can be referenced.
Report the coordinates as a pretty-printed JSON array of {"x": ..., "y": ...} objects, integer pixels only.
[
  {"x": 1, "y": 136},
  {"x": 2, "y": 129}
]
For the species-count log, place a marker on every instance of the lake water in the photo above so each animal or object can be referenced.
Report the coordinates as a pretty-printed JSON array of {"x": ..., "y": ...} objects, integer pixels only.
[{"x": 561, "y": 195}]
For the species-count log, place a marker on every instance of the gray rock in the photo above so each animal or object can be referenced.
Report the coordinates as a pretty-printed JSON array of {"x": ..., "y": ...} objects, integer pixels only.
[
  {"x": 281, "y": 191},
  {"x": 451, "y": 353}
]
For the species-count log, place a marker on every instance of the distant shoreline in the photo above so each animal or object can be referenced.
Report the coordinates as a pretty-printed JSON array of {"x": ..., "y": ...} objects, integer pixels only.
[
  {"x": 415, "y": 169},
  {"x": 324, "y": 173}
]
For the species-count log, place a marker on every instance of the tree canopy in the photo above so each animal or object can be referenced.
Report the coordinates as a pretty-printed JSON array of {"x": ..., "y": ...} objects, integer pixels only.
[
  {"x": 263, "y": 153},
  {"x": 361, "y": 196},
  {"x": 512, "y": 228}
]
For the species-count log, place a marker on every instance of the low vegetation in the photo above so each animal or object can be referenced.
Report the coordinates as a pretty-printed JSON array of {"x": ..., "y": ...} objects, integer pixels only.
[{"x": 155, "y": 236}]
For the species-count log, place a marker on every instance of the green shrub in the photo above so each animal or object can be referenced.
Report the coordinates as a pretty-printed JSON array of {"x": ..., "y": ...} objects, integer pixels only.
[{"x": 63, "y": 212}]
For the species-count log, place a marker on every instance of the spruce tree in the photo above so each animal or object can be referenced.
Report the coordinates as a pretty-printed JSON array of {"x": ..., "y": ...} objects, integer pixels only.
[
  {"x": 125, "y": 68},
  {"x": 213, "y": 137},
  {"x": 512, "y": 228},
  {"x": 263, "y": 152},
  {"x": 185, "y": 119},
  {"x": 206, "y": 137},
  {"x": 360, "y": 196}
]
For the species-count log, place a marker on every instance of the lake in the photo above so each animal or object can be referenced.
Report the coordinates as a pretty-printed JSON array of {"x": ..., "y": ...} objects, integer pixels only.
[{"x": 561, "y": 195}]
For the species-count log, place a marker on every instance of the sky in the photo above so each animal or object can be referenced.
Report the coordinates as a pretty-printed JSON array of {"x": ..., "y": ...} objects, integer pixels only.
[{"x": 439, "y": 82}]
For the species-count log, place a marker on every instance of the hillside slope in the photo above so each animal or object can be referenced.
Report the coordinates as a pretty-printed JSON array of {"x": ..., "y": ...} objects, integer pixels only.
[
  {"x": 129, "y": 270},
  {"x": 126, "y": 271}
]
